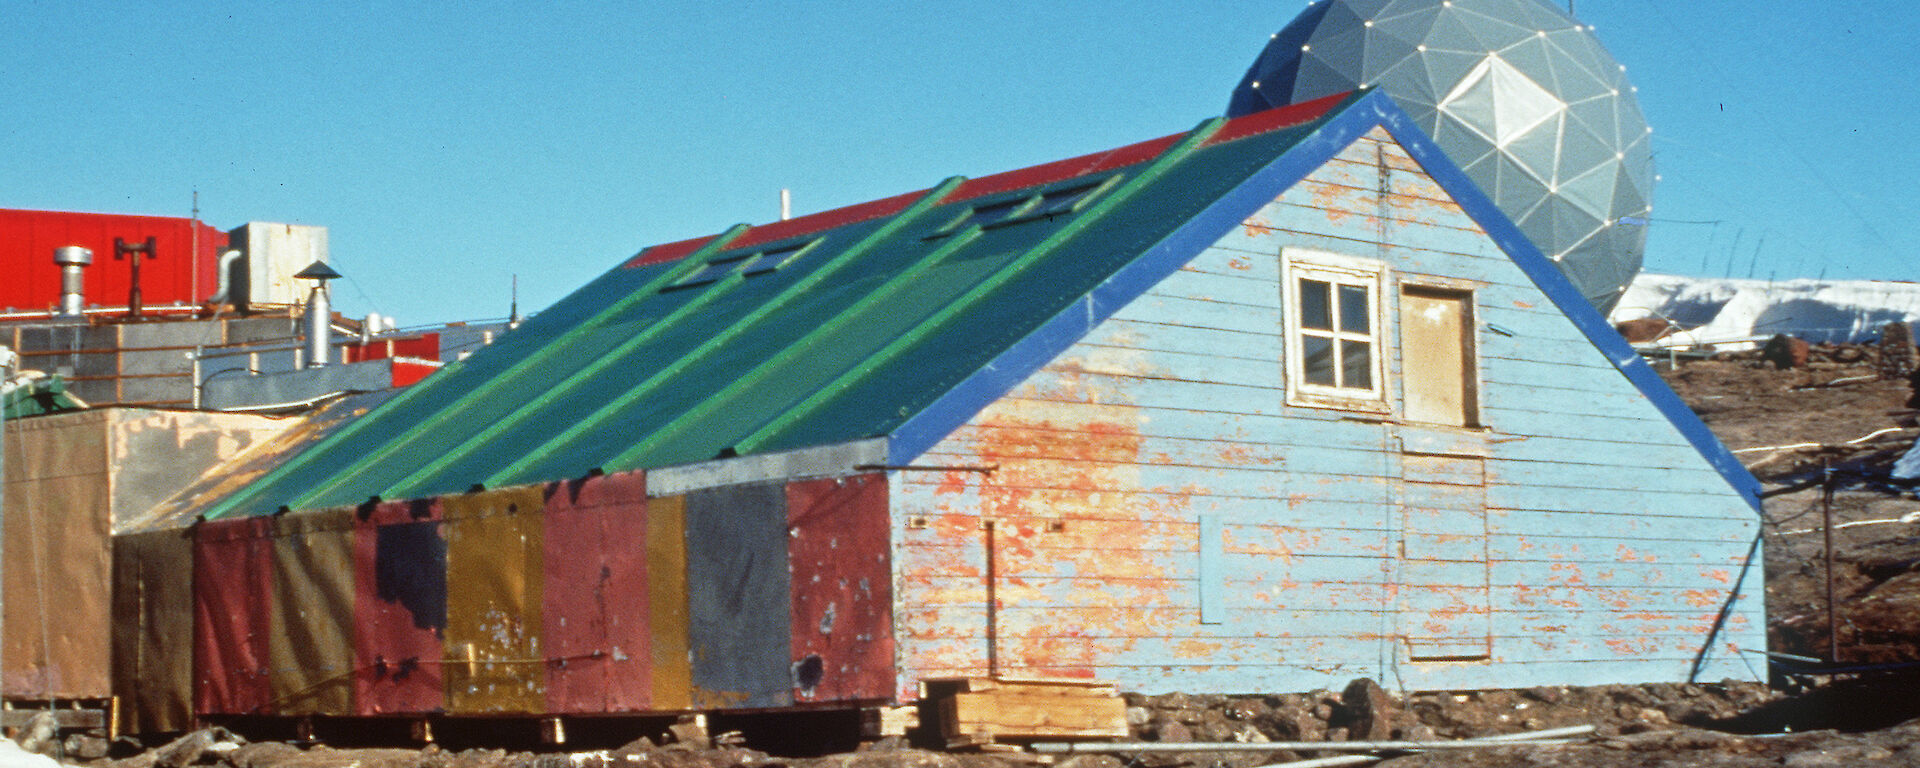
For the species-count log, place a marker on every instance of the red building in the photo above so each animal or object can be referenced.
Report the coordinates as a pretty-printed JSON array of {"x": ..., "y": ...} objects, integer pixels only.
[{"x": 183, "y": 269}]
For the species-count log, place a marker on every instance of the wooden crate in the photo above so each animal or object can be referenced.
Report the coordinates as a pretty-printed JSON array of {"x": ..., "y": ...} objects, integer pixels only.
[{"x": 983, "y": 711}]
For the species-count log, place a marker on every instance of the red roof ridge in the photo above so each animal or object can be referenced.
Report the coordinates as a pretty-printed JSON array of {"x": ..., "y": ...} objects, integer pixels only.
[{"x": 1005, "y": 181}]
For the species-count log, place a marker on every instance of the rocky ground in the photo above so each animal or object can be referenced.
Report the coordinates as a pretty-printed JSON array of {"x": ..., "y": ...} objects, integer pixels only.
[{"x": 1822, "y": 435}]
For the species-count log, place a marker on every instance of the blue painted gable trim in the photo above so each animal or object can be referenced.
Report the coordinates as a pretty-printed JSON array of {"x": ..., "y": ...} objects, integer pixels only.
[
  {"x": 1562, "y": 293},
  {"x": 952, "y": 410}
]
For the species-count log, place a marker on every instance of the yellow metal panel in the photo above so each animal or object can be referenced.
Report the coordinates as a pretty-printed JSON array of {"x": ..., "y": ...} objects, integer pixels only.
[
  {"x": 494, "y": 660},
  {"x": 310, "y": 652},
  {"x": 667, "y": 602}
]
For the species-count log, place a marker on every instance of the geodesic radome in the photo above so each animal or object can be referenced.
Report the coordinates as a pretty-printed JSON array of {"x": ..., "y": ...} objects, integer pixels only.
[{"x": 1518, "y": 93}]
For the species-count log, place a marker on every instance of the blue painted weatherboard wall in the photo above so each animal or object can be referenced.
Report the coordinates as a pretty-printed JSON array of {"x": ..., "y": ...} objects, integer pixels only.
[{"x": 1610, "y": 544}]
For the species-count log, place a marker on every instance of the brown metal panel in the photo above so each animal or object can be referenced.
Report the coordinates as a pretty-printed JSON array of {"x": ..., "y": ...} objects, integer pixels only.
[
  {"x": 311, "y": 646},
  {"x": 842, "y": 589},
  {"x": 400, "y": 608},
  {"x": 495, "y": 663},
  {"x": 58, "y": 564},
  {"x": 232, "y": 594},
  {"x": 595, "y": 611},
  {"x": 667, "y": 603},
  {"x": 153, "y": 630}
]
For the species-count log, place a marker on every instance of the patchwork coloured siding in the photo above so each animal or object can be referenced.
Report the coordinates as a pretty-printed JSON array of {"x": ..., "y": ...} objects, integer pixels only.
[
  {"x": 582, "y": 597},
  {"x": 1577, "y": 538}
]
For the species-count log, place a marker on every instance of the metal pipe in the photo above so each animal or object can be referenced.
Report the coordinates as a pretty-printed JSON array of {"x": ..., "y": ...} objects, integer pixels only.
[
  {"x": 73, "y": 261},
  {"x": 1344, "y": 760},
  {"x": 132, "y": 253},
  {"x": 7, "y": 362},
  {"x": 1826, "y": 529},
  {"x": 319, "y": 326},
  {"x": 224, "y": 278},
  {"x": 1073, "y": 748}
]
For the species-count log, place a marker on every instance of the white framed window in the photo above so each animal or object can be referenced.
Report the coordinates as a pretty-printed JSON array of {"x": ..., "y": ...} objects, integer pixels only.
[{"x": 1335, "y": 343}]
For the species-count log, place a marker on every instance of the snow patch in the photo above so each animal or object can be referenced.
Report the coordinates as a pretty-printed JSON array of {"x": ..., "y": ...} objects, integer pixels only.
[
  {"x": 1908, "y": 467},
  {"x": 1739, "y": 314},
  {"x": 12, "y": 756}
]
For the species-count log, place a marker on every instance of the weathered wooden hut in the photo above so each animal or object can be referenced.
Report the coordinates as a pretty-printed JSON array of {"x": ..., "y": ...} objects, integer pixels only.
[{"x": 1267, "y": 405}]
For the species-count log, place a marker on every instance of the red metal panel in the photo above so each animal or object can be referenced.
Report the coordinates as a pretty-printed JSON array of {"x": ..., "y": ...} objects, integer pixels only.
[
  {"x": 232, "y": 594},
  {"x": 825, "y": 220},
  {"x": 426, "y": 346},
  {"x": 1278, "y": 117},
  {"x": 27, "y": 240},
  {"x": 595, "y": 612},
  {"x": 1061, "y": 170},
  {"x": 406, "y": 374},
  {"x": 400, "y": 608},
  {"x": 842, "y": 588},
  {"x": 667, "y": 252}
]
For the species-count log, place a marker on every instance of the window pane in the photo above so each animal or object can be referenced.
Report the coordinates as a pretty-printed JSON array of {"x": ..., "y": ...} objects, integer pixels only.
[
  {"x": 1356, "y": 365},
  {"x": 712, "y": 271},
  {"x": 1060, "y": 200},
  {"x": 1354, "y": 313},
  {"x": 987, "y": 215},
  {"x": 1315, "y": 311},
  {"x": 769, "y": 261},
  {"x": 1316, "y": 360}
]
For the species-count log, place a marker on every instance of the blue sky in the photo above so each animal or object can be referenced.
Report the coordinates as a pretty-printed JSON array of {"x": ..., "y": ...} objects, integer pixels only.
[{"x": 450, "y": 146}]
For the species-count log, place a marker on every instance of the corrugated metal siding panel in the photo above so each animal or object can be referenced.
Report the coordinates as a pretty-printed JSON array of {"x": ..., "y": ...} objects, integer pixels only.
[
  {"x": 58, "y": 501},
  {"x": 738, "y": 596},
  {"x": 842, "y": 604},
  {"x": 495, "y": 662},
  {"x": 1173, "y": 409},
  {"x": 595, "y": 609},
  {"x": 153, "y": 634},
  {"x": 400, "y": 608},
  {"x": 232, "y": 599},
  {"x": 311, "y": 646}
]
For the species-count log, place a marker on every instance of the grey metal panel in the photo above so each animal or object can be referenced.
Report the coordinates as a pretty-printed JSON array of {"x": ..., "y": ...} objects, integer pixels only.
[
  {"x": 824, "y": 461},
  {"x": 94, "y": 391},
  {"x": 295, "y": 386},
  {"x": 181, "y": 333},
  {"x": 737, "y": 593},
  {"x": 142, "y": 361},
  {"x": 67, "y": 337},
  {"x": 260, "y": 329},
  {"x": 168, "y": 389}
]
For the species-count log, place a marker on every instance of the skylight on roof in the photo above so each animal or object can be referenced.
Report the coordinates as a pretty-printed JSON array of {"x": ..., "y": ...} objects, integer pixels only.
[
  {"x": 1038, "y": 205},
  {"x": 993, "y": 213},
  {"x": 748, "y": 264},
  {"x": 1061, "y": 201}
]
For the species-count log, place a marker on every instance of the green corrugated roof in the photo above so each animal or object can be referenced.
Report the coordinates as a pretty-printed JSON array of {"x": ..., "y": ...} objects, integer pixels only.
[{"x": 820, "y": 330}]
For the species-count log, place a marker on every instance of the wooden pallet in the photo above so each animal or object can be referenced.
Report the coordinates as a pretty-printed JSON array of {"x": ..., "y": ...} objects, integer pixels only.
[{"x": 991, "y": 712}]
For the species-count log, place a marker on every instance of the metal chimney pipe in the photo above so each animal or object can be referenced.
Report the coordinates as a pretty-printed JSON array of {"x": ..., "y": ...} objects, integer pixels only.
[
  {"x": 319, "y": 313},
  {"x": 319, "y": 326},
  {"x": 73, "y": 261}
]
